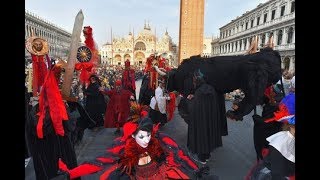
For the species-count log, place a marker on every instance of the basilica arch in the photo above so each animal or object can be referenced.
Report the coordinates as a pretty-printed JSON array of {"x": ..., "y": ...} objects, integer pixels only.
[
  {"x": 140, "y": 46},
  {"x": 139, "y": 57},
  {"x": 117, "y": 57},
  {"x": 127, "y": 56}
]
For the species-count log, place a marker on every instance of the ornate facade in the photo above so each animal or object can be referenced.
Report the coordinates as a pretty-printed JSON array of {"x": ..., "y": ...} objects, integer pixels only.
[
  {"x": 138, "y": 48},
  {"x": 275, "y": 17},
  {"x": 58, "y": 39},
  {"x": 207, "y": 47}
]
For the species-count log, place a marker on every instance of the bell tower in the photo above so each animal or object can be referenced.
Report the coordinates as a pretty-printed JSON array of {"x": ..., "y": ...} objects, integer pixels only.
[{"x": 191, "y": 28}]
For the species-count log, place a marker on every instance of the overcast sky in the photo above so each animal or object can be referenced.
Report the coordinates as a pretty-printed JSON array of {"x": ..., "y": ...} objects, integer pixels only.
[{"x": 123, "y": 15}]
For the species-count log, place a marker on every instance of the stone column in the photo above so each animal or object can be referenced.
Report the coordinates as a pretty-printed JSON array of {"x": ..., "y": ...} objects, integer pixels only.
[
  {"x": 282, "y": 62},
  {"x": 242, "y": 46},
  {"x": 248, "y": 44},
  {"x": 233, "y": 46},
  {"x": 267, "y": 38},
  {"x": 292, "y": 64},
  {"x": 294, "y": 35},
  {"x": 285, "y": 35},
  {"x": 275, "y": 38},
  {"x": 259, "y": 41}
]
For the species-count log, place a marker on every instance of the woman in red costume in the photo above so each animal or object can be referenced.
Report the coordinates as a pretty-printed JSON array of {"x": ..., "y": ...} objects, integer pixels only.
[
  {"x": 118, "y": 108},
  {"x": 141, "y": 153},
  {"x": 149, "y": 81},
  {"x": 128, "y": 78}
]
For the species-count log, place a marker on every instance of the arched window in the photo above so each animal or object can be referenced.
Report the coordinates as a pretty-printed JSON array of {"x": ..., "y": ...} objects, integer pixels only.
[
  {"x": 240, "y": 45},
  {"x": 290, "y": 35},
  {"x": 279, "y": 41},
  {"x": 204, "y": 47}
]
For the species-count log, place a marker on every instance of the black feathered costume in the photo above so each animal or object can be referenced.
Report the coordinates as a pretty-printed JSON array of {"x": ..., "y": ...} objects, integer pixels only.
[
  {"x": 48, "y": 131},
  {"x": 251, "y": 73}
]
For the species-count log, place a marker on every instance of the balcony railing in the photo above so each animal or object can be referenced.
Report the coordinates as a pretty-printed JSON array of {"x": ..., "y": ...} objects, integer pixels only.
[
  {"x": 283, "y": 47},
  {"x": 262, "y": 26}
]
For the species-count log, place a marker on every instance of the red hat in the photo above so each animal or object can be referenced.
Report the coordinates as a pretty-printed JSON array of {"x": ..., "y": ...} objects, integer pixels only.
[
  {"x": 127, "y": 63},
  {"x": 118, "y": 83},
  {"x": 87, "y": 30},
  {"x": 130, "y": 127}
]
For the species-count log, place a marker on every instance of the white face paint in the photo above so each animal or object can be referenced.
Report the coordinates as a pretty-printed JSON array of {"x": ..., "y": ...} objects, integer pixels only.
[{"x": 142, "y": 138}]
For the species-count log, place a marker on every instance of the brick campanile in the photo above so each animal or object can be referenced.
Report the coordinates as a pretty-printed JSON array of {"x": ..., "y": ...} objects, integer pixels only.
[{"x": 191, "y": 28}]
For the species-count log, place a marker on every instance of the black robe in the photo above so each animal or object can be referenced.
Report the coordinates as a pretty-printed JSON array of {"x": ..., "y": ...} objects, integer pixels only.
[
  {"x": 95, "y": 103},
  {"x": 207, "y": 122},
  {"x": 145, "y": 93},
  {"x": 262, "y": 130},
  {"x": 47, "y": 151},
  {"x": 79, "y": 120}
]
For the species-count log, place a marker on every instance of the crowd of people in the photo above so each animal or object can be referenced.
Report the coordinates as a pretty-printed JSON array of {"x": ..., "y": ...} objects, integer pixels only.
[{"x": 55, "y": 123}]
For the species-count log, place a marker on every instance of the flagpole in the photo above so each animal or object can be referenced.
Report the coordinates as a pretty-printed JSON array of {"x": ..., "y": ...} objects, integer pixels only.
[
  {"x": 155, "y": 40},
  {"x": 133, "y": 45},
  {"x": 111, "y": 48}
]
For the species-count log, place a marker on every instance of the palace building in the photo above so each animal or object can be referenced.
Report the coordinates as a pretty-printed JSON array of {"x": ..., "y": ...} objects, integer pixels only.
[
  {"x": 273, "y": 18},
  {"x": 58, "y": 39}
]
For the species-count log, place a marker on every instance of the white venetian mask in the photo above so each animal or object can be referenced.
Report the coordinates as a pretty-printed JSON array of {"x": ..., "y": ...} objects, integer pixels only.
[{"x": 142, "y": 138}]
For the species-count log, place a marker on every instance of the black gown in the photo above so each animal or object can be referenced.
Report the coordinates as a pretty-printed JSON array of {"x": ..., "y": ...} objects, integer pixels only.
[
  {"x": 95, "y": 103},
  {"x": 145, "y": 93},
  {"x": 47, "y": 151},
  {"x": 207, "y": 122}
]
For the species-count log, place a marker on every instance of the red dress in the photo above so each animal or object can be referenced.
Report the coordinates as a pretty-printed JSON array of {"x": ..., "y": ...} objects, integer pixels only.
[
  {"x": 128, "y": 80},
  {"x": 118, "y": 108},
  {"x": 168, "y": 161}
]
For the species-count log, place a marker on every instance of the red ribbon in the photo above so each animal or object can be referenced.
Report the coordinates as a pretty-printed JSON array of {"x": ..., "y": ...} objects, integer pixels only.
[
  {"x": 50, "y": 98},
  {"x": 39, "y": 69},
  {"x": 85, "y": 68}
]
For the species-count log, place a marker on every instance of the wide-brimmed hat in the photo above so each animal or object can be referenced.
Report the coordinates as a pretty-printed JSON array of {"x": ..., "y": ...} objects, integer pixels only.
[{"x": 30, "y": 46}]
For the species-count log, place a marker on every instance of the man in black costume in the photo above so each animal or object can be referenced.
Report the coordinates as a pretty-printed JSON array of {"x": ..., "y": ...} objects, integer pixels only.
[
  {"x": 261, "y": 130},
  {"x": 207, "y": 121},
  {"x": 48, "y": 131},
  {"x": 95, "y": 102}
]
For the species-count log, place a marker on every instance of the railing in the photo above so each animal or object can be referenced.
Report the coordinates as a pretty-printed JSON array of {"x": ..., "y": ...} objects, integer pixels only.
[
  {"x": 283, "y": 47},
  {"x": 262, "y": 26}
]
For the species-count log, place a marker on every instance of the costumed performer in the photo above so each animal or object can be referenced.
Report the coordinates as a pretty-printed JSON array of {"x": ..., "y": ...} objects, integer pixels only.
[
  {"x": 141, "y": 153},
  {"x": 279, "y": 159},
  {"x": 118, "y": 108}
]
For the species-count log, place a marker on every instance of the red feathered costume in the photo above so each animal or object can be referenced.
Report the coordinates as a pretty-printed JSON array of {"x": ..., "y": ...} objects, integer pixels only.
[
  {"x": 118, "y": 108},
  {"x": 128, "y": 78},
  {"x": 87, "y": 68},
  {"x": 153, "y": 74},
  {"x": 168, "y": 160}
]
